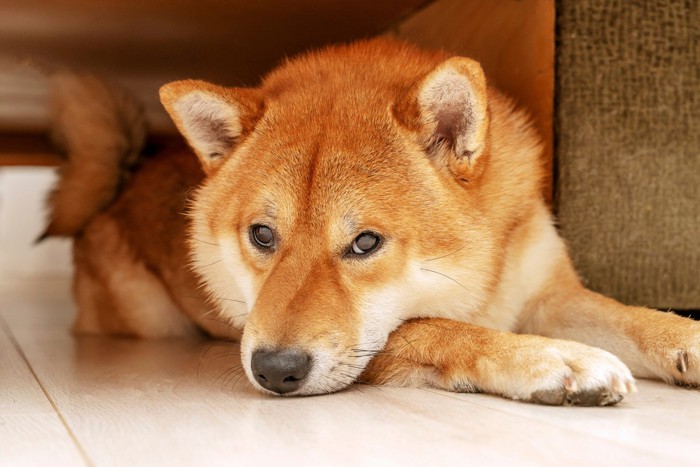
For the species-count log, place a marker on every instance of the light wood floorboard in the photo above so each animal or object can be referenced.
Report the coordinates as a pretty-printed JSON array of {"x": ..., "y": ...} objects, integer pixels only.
[
  {"x": 186, "y": 402},
  {"x": 31, "y": 430}
]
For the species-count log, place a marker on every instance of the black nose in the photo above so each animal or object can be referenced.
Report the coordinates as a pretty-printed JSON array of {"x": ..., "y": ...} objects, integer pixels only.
[{"x": 281, "y": 371}]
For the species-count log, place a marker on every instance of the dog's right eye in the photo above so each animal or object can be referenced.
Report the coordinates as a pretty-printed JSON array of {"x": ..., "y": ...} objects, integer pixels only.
[
  {"x": 262, "y": 236},
  {"x": 364, "y": 244}
]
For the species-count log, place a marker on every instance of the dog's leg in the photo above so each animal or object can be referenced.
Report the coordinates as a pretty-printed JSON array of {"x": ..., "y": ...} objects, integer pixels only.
[
  {"x": 462, "y": 357},
  {"x": 652, "y": 343},
  {"x": 115, "y": 291}
]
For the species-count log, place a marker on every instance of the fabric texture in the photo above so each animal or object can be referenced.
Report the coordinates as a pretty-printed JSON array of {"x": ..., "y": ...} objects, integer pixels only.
[{"x": 628, "y": 147}]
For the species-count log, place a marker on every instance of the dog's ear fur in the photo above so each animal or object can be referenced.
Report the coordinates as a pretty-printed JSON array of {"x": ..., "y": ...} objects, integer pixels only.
[
  {"x": 213, "y": 119},
  {"x": 449, "y": 110}
]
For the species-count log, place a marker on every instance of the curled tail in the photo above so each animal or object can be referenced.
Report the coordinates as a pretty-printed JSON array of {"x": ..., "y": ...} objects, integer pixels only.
[{"x": 101, "y": 131}]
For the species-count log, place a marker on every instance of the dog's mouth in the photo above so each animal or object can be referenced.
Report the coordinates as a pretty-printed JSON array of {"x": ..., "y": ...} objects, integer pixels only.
[{"x": 296, "y": 372}]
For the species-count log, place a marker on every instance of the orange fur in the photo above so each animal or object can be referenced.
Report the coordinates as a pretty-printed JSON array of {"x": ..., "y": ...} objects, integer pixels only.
[
  {"x": 102, "y": 130},
  {"x": 376, "y": 136}
]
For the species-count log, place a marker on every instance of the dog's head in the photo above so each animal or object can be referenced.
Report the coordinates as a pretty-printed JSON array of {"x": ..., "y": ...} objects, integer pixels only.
[{"x": 348, "y": 192}]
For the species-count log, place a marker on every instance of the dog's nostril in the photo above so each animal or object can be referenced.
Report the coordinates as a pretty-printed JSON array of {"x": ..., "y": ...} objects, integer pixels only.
[{"x": 281, "y": 371}]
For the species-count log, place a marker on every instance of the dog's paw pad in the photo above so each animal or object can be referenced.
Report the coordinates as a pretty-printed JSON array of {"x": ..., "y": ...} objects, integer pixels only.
[
  {"x": 549, "y": 396},
  {"x": 594, "y": 397},
  {"x": 589, "y": 397}
]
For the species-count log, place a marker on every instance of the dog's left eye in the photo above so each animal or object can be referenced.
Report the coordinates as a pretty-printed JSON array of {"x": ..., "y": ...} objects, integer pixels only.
[
  {"x": 262, "y": 236},
  {"x": 365, "y": 243}
]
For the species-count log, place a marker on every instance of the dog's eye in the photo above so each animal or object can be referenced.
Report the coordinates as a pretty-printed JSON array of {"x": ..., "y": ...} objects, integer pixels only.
[
  {"x": 365, "y": 243},
  {"x": 262, "y": 236}
]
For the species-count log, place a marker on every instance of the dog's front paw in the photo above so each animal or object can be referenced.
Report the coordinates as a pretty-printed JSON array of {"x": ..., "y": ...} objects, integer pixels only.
[
  {"x": 582, "y": 375},
  {"x": 561, "y": 373},
  {"x": 461, "y": 357},
  {"x": 673, "y": 352}
]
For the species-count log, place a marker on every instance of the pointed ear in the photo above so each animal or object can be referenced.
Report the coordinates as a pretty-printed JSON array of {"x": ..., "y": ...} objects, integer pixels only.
[
  {"x": 449, "y": 110},
  {"x": 213, "y": 119}
]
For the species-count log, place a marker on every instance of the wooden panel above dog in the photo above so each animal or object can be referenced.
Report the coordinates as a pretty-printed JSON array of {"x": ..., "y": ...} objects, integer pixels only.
[
  {"x": 144, "y": 44},
  {"x": 141, "y": 45}
]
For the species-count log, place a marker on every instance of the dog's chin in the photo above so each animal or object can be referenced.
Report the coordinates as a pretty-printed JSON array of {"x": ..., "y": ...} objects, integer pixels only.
[
  {"x": 310, "y": 388},
  {"x": 326, "y": 377}
]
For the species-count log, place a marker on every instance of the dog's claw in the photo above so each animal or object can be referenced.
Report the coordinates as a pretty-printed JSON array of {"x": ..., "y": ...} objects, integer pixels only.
[
  {"x": 570, "y": 384},
  {"x": 682, "y": 361}
]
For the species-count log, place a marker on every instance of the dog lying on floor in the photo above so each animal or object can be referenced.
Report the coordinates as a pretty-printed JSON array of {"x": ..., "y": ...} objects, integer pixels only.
[{"x": 370, "y": 212}]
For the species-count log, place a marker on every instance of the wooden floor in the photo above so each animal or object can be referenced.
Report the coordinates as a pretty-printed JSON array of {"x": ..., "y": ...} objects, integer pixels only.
[{"x": 99, "y": 401}]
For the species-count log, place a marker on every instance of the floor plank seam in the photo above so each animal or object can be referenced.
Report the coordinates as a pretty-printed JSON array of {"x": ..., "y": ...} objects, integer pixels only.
[{"x": 10, "y": 335}]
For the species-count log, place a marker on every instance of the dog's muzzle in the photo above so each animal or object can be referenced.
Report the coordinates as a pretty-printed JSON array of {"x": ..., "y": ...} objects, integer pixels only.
[{"x": 281, "y": 371}]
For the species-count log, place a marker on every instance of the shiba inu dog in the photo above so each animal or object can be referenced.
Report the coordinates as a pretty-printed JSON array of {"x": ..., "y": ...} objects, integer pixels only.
[{"x": 370, "y": 212}]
